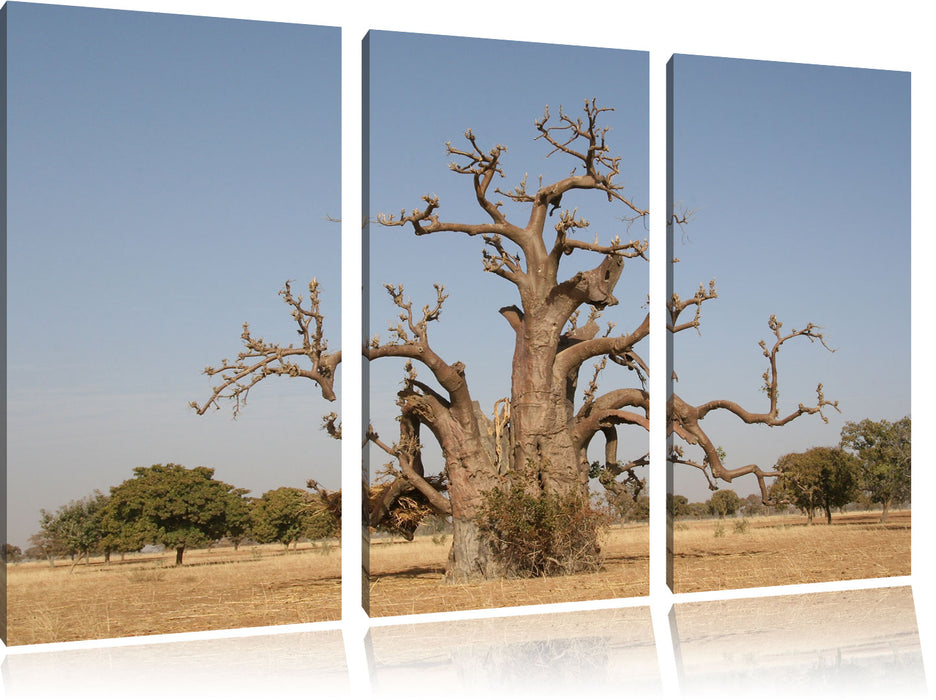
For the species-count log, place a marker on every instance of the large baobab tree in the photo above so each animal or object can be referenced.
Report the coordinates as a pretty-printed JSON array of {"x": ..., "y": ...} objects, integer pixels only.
[
  {"x": 535, "y": 440},
  {"x": 544, "y": 424}
]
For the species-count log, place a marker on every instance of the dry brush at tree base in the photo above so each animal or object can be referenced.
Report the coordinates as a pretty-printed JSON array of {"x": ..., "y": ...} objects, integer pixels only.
[
  {"x": 145, "y": 594},
  {"x": 778, "y": 550}
]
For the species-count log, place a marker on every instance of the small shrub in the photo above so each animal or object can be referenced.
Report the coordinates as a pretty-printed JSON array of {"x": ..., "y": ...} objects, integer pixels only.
[
  {"x": 439, "y": 538},
  {"x": 719, "y": 530},
  {"x": 541, "y": 534},
  {"x": 741, "y": 526}
]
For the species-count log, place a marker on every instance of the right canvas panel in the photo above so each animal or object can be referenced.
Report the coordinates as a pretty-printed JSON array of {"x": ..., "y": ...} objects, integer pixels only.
[{"x": 789, "y": 323}]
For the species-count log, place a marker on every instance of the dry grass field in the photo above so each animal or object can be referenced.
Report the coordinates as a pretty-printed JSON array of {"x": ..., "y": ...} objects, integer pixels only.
[
  {"x": 780, "y": 550},
  {"x": 406, "y": 578},
  {"x": 257, "y": 586},
  {"x": 146, "y": 594}
]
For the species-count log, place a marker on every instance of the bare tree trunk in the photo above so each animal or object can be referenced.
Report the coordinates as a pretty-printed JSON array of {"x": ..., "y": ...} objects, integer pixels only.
[
  {"x": 471, "y": 556},
  {"x": 885, "y": 509},
  {"x": 75, "y": 561},
  {"x": 178, "y": 555},
  {"x": 540, "y": 418}
]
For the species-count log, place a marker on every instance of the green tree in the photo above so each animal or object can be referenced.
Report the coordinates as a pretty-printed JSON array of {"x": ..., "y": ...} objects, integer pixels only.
[
  {"x": 118, "y": 535},
  {"x": 724, "y": 502},
  {"x": 884, "y": 450},
  {"x": 43, "y": 547},
  {"x": 821, "y": 477},
  {"x": 75, "y": 528},
  {"x": 753, "y": 505},
  {"x": 282, "y": 515},
  {"x": 11, "y": 553},
  {"x": 177, "y": 507},
  {"x": 321, "y": 523},
  {"x": 677, "y": 505},
  {"x": 239, "y": 518}
]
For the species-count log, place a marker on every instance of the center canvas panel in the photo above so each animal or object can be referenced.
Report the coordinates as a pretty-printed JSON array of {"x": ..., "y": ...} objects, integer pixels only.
[{"x": 506, "y": 269}]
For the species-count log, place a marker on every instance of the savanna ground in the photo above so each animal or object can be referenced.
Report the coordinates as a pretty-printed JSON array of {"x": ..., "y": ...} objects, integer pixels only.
[
  {"x": 406, "y": 577},
  {"x": 215, "y": 588},
  {"x": 779, "y": 550},
  {"x": 257, "y": 586}
]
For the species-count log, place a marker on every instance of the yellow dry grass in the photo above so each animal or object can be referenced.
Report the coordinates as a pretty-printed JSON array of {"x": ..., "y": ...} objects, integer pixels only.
[
  {"x": 406, "y": 578},
  {"x": 147, "y": 594},
  {"x": 258, "y": 586},
  {"x": 780, "y": 550}
]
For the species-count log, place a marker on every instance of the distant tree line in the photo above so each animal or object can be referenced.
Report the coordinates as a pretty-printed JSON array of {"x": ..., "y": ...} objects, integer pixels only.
[
  {"x": 722, "y": 504},
  {"x": 179, "y": 508},
  {"x": 870, "y": 466}
]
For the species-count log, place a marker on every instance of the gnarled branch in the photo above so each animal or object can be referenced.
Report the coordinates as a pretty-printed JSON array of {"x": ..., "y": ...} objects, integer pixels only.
[{"x": 261, "y": 359}]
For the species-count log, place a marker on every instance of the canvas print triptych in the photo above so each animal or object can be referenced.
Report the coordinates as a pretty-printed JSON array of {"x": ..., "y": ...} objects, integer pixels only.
[{"x": 173, "y": 233}]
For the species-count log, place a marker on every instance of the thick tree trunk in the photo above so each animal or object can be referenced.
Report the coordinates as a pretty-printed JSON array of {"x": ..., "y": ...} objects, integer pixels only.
[
  {"x": 540, "y": 410},
  {"x": 828, "y": 513},
  {"x": 885, "y": 509},
  {"x": 471, "y": 556},
  {"x": 178, "y": 555}
]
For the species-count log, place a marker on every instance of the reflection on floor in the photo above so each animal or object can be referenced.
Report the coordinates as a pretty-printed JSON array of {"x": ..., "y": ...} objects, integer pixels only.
[
  {"x": 862, "y": 642},
  {"x": 275, "y": 665},
  {"x": 824, "y": 644},
  {"x": 597, "y": 653}
]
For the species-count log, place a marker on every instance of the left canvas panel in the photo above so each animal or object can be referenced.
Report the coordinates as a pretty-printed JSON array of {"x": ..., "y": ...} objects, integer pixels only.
[{"x": 172, "y": 197}]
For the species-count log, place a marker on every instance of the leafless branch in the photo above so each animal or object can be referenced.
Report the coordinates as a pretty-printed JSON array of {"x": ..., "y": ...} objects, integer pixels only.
[
  {"x": 677, "y": 306},
  {"x": 584, "y": 141},
  {"x": 261, "y": 359}
]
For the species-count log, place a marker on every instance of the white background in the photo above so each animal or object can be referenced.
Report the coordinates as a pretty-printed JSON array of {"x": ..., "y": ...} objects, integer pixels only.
[{"x": 895, "y": 36}]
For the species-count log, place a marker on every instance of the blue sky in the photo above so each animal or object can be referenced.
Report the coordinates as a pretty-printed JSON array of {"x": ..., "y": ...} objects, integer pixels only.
[
  {"x": 799, "y": 177},
  {"x": 427, "y": 90},
  {"x": 166, "y": 176}
]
